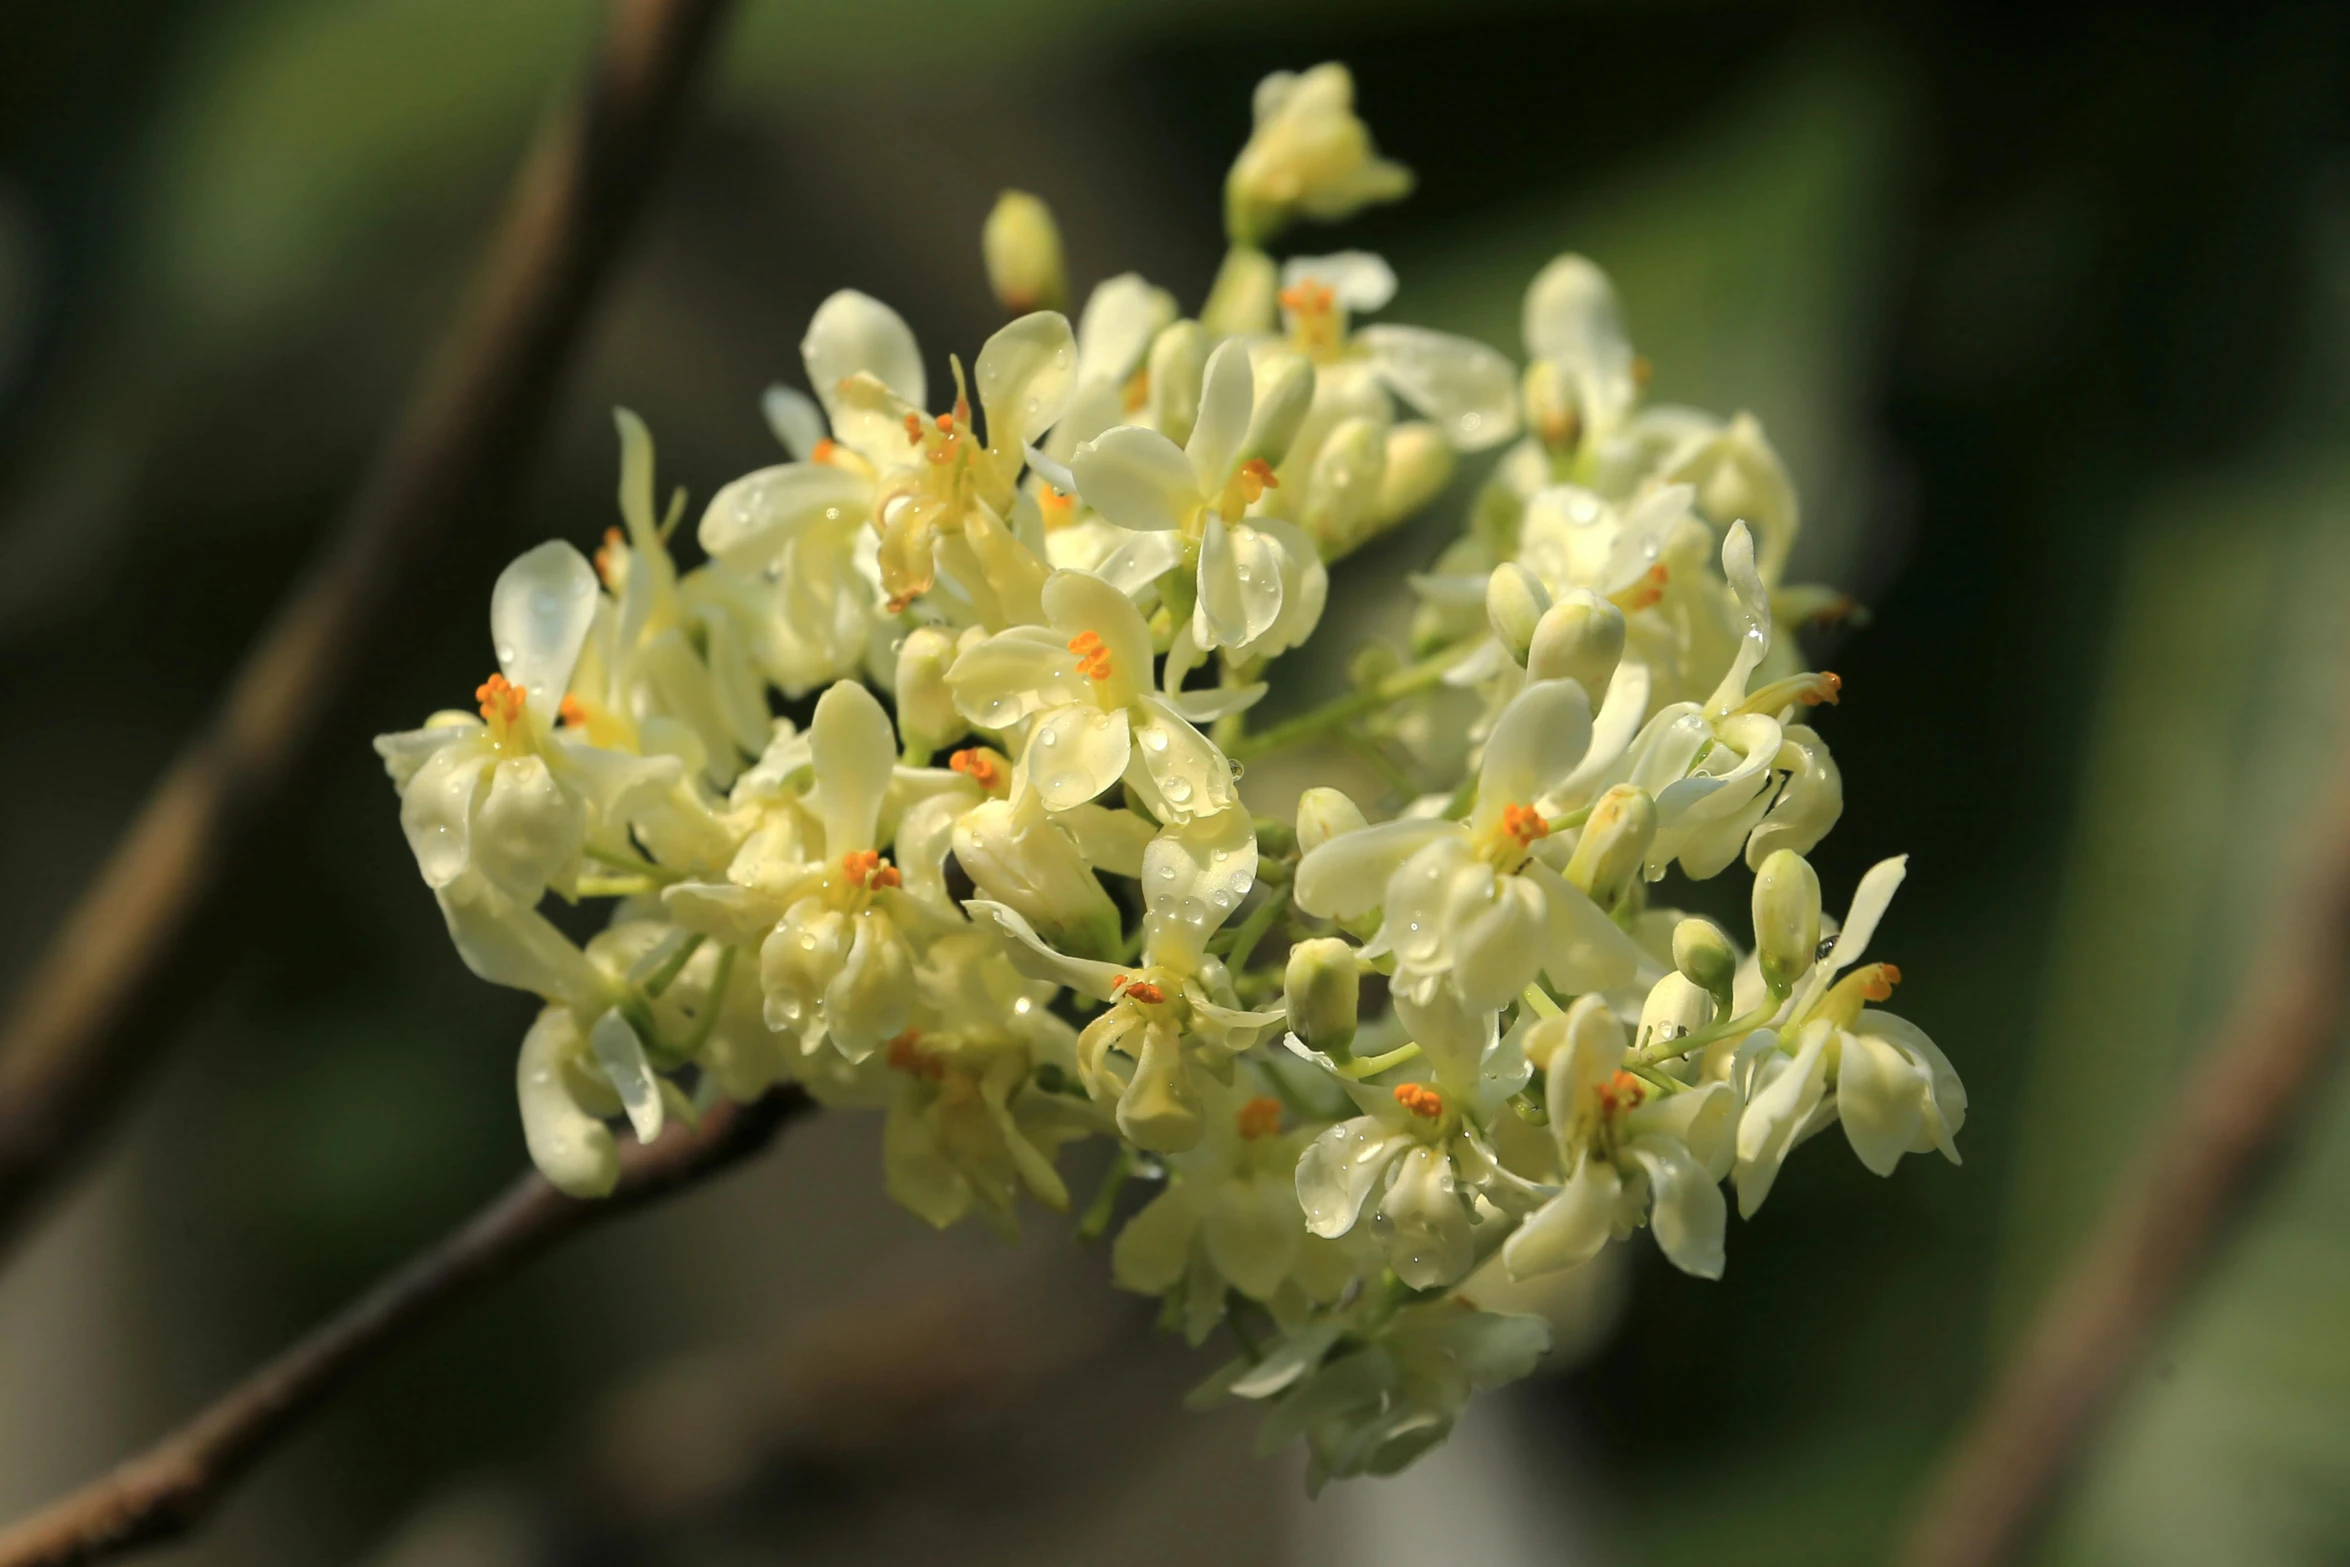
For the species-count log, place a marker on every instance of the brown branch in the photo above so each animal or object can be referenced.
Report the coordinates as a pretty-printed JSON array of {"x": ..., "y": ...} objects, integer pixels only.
[
  {"x": 170, "y": 1488},
  {"x": 98, "y": 1004},
  {"x": 2234, "y": 1113}
]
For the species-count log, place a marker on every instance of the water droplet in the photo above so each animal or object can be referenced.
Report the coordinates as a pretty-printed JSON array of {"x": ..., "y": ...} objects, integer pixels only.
[
  {"x": 1177, "y": 790},
  {"x": 1049, "y": 737},
  {"x": 1237, "y": 769},
  {"x": 1155, "y": 739},
  {"x": 1166, "y": 873}
]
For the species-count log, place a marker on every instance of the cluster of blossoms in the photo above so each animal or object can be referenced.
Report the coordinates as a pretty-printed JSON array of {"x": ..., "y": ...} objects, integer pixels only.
[{"x": 1365, "y": 1064}]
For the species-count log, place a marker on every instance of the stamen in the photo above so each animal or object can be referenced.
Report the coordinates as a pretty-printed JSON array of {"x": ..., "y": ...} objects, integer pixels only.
[
  {"x": 1621, "y": 1092},
  {"x": 1878, "y": 981},
  {"x": 1827, "y": 687},
  {"x": 1058, "y": 505},
  {"x": 906, "y": 1055},
  {"x": 1420, "y": 1100},
  {"x": 609, "y": 556},
  {"x": 1128, "y": 988},
  {"x": 1138, "y": 390},
  {"x": 826, "y": 450},
  {"x": 1309, "y": 298},
  {"x": 978, "y": 765},
  {"x": 946, "y": 424},
  {"x": 500, "y": 699},
  {"x": 866, "y": 868},
  {"x": 1644, "y": 592},
  {"x": 1260, "y": 1117},
  {"x": 913, "y": 429},
  {"x": 573, "y": 712},
  {"x": 1092, "y": 656},
  {"x": 1524, "y": 823}
]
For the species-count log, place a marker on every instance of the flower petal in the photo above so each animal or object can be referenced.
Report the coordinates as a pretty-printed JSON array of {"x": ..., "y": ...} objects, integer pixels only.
[
  {"x": 622, "y": 1056},
  {"x": 1000, "y": 680},
  {"x": 540, "y": 613},
  {"x": 1338, "y": 1169},
  {"x": 856, "y": 334},
  {"x": 1193, "y": 877},
  {"x": 1570, "y": 1229},
  {"x": 1076, "y": 752},
  {"x": 1468, "y": 389},
  {"x": 1141, "y": 557},
  {"x": 1025, "y": 376},
  {"x": 1427, "y": 1240},
  {"x": 1032, "y": 957},
  {"x": 854, "y": 751},
  {"x": 1587, "y": 950},
  {"x": 1535, "y": 745},
  {"x": 1880, "y": 1098},
  {"x": 1227, "y": 400},
  {"x": 1239, "y": 585},
  {"x": 795, "y": 420},
  {"x": 1252, "y": 1230},
  {"x": 572, "y": 1149},
  {"x": 1077, "y": 602},
  {"x": 1363, "y": 282},
  {"x": 750, "y": 522},
  {"x": 1153, "y": 1250},
  {"x": 1136, "y": 478},
  {"x": 1191, "y": 777},
  {"x": 1686, "y": 1208},
  {"x": 1346, "y": 877}
]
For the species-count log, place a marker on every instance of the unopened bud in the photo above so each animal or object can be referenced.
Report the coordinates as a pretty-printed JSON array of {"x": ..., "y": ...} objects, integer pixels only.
[
  {"x": 1515, "y": 601},
  {"x": 1020, "y": 860},
  {"x": 1551, "y": 408},
  {"x": 1419, "y": 462},
  {"x": 1786, "y": 918},
  {"x": 1322, "y": 814},
  {"x": 1022, "y": 248},
  {"x": 1614, "y": 843},
  {"x": 1243, "y": 300},
  {"x": 926, "y": 708},
  {"x": 1178, "y": 365},
  {"x": 1342, "y": 492},
  {"x": 1285, "y": 391},
  {"x": 1320, "y": 991},
  {"x": 1676, "y": 1008},
  {"x": 1580, "y": 638},
  {"x": 1705, "y": 956}
]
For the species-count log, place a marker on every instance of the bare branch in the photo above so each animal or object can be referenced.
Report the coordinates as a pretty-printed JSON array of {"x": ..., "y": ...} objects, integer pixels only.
[
  {"x": 97, "y": 1005},
  {"x": 170, "y": 1488},
  {"x": 2236, "y": 1110}
]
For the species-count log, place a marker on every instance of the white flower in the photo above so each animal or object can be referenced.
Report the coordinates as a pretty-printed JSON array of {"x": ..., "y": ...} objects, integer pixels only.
[
  {"x": 1082, "y": 684},
  {"x": 1829, "y": 1059},
  {"x": 1630, "y": 1152},
  {"x": 1308, "y": 156},
  {"x": 1466, "y": 905},
  {"x": 1174, "y": 1016},
  {"x": 1260, "y": 582},
  {"x": 1229, "y": 1219},
  {"x": 1469, "y": 390},
  {"x": 939, "y": 497}
]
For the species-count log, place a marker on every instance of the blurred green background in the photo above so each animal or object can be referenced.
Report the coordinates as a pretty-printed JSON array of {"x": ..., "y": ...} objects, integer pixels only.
[{"x": 2049, "y": 311}]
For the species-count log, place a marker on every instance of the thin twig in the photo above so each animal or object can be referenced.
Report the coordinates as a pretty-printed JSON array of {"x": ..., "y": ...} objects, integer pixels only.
[
  {"x": 2236, "y": 1110},
  {"x": 170, "y": 1488},
  {"x": 99, "y": 1003}
]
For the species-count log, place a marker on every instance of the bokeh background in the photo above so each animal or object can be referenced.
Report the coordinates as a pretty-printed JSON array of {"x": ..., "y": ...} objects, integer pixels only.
[{"x": 2049, "y": 311}]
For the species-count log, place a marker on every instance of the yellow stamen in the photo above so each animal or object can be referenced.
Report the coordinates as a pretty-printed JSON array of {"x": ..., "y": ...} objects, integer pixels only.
[
  {"x": 1260, "y": 1117},
  {"x": 979, "y": 765},
  {"x": 1092, "y": 656},
  {"x": 1524, "y": 823},
  {"x": 1420, "y": 1100},
  {"x": 1130, "y": 989},
  {"x": 1621, "y": 1092},
  {"x": 866, "y": 868},
  {"x": 500, "y": 699}
]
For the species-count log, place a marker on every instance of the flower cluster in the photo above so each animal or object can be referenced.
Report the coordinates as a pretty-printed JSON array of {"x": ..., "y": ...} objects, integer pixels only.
[{"x": 1019, "y": 898}]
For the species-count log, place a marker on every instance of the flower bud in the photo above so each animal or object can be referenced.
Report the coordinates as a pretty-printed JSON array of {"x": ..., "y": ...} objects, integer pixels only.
[
  {"x": 1786, "y": 918},
  {"x": 1515, "y": 601},
  {"x": 1676, "y": 1008},
  {"x": 1552, "y": 411},
  {"x": 1613, "y": 845},
  {"x": 1178, "y": 365},
  {"x": 1285, "y": 391},
  {"x": 1022, "y": 248},
  {"x": 926, "y": 708},
  {"x": 1580, "y": 638},
  {"x": 1023, "y": 860},
  {"x": 1244, "y": 298},
  {"x": 1342, "y": 492},
  {"x": 1308, "y": 155},
  {"x": 1320, "y": 992},
  {"x": 1705, "y": 956},
  {"x": 1419, "y": 462},
  {"x": 1322, "y": 814}
]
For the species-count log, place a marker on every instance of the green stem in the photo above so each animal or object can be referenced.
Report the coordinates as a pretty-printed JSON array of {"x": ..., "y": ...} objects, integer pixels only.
[
  {"x": 706, "y": 1022},
  {"x": 1699, "y": 1038},
  {"x": 1372, "y": 1066},
  {"x": 1333, "y": 714},
  {"x": 673, "y": 965},
  {"x": 1540, "y": 1000},
  {"x": 1252, "y": 930},
  {"x": 633, "y": 864},
  {"x": 1096, "y": 1220},
  {"x": 1651, "y": 1075}
]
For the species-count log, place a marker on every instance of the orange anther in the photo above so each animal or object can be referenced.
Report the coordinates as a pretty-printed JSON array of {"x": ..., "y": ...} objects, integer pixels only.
[
  {"x": 608, "y": 556},
  {"x": 572, "y": 711},
  {"x": 826, "y": 450},
  {"x": 1092, "y": 657},
  {"x": 1825, "y": 687},
  {"x": 1878, "y": 980},
  {"x": 1260, "y": 1117},
  {"x": 977, "y": 765},
  {"x": 1644, "y": 592},
  {"x": 913, "y": 429},
  {"x": 1420, "y": 1100},
  {"x": 1524, "y": 823},
  {"x": 946, "y": 424},
  {"x": 906, "y": 1055},
  {"x": 1621, "y": 1092},
  {"x": 866, "y": 868},
  {"x": 1256, "y": 477},
  {"x": 1309, "y": 298},
  {"x": 1128, "y": 988},
  {"x": 500, "y": 699},
  {"x": 1052, "y": 498}
]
